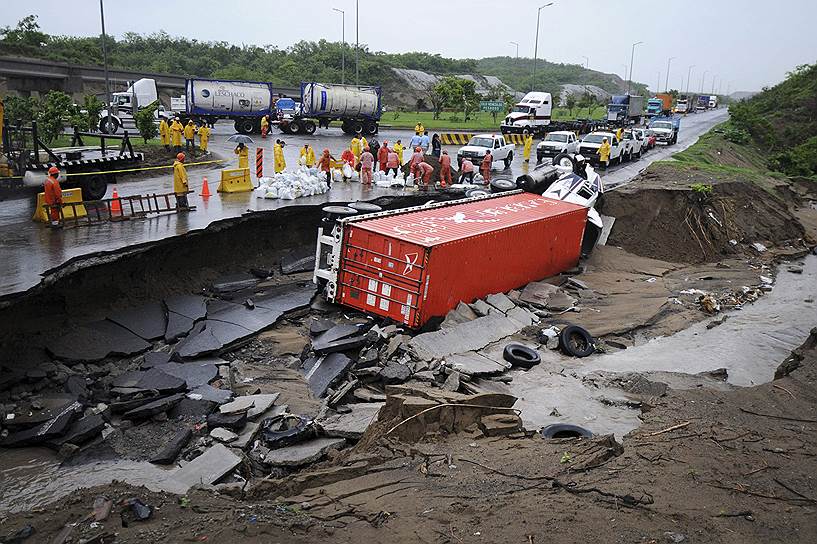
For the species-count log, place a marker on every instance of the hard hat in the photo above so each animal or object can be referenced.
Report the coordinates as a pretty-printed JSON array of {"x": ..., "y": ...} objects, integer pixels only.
[
  {"x": 180, "y": 157},
  {"x": 54, "y": 170}
]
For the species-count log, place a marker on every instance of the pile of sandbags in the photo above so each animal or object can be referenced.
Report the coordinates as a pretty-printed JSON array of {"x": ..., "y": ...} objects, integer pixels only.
[{"x": 293, "y": 184}]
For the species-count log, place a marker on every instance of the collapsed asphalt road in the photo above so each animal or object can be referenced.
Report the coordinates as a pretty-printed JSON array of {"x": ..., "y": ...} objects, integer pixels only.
[{"x": 29, "y": 250}]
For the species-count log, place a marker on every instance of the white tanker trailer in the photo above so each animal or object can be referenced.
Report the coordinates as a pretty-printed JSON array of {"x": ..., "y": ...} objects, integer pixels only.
[{"x": 358, "y": 108}]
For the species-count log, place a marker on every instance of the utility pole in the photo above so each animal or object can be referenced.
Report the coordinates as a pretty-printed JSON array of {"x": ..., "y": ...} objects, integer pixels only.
[
  {"x": 632, "y": 56},
  {"x": 689, "y": 75},
  {"x": 536, "y": 45},
  {"x": 666, "y": 86},
  {"x": 586, "y": 67},
  {"x": 342, "y": 51},
  {"x": 357, "y": 42},
  {"x": 105, "y": 62},
  {"x": 658, "y": 86},
  {"x": 713, "y": 83},
  {"x": 517, "y": 52},
  {"x": 703, "y": 78}
]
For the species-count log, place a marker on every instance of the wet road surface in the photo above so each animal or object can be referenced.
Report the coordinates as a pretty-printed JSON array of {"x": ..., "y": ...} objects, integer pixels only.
[{"x": 28, "y": 249}]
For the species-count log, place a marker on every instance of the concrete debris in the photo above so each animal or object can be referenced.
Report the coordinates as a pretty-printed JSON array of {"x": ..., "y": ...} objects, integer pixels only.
[
  {"x": 96, "y": 341},
  {"x": 325, "y": 371},
  {"x": 209, "y": 467},
  {"x": 210, "y": 394},
  {"x": 252, "y": 405},
  {"x": 480, "y": 307},
  {"x": 247, "y": 436},
  {"x": 395, "y": 372},
  {"x": 46, "y": 431},
  {"x": 155, "y": 358},
  {"x": 470, "y": 336},
  {"x": 500, "y": 424},
  {"x": 353, "y": 424},
  {"x": 760, "y": 248},
  {"x": 234, "y": 422},
  {"x": 500, "y": 301},
  {"x": 303, "y": 454},
  {"x": 452, "y": 382},
  {"x": 538, "y": 293},
  {"x": 369, "y": 394},
  {"x": 475, "y": 364},
  {"x": 80, "y": 432},
  {"x": 193, "y": 374},
  {"x": 461, "y": 314},
  {"x": 154, "y": 407},
  {"x": 223, "y": 435},
  {"x": 168, "y": 454},
  {"x": 319, "y": 325}
]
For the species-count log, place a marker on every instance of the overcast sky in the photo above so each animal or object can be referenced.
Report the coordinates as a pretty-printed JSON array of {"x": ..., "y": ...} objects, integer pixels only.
[{"x": 746, "y": 44}]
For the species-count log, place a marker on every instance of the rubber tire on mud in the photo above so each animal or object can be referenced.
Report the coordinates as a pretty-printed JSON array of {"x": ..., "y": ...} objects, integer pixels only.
[
  {"x": 479, "y": 191},
  {"x": 508, "y": 160},
  {"x": 295, "y": 127},
  {"x": 309, "y": 128},
  {"x": 564, "y": 430},
  {"x": 502, "y": 185},
  {"x": 94, "y": 187},
  {"x": 560, "y": 156},
  {"x": 572, "y": 348},
  {"x": 521, "y": 356},
  {"x": 356, "y": 127}
]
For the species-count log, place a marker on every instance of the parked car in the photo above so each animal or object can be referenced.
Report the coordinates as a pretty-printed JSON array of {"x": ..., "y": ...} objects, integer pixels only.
[
  {"x": 479, "y": 144},
  {"x": 556, "y": 143},
  {"x": 638, "y": 145},
  {"x": 590, "y": 145}
]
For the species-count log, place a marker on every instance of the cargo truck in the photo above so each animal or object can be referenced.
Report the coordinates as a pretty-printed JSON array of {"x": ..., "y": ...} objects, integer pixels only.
[
  {"x": 713, "y": 101},
  {"x": 660, "y": 104},
  {"x": 685, "y": 104},
  {"x": 625, "y": 109},
  {"x": 703, "y": 103},
  {"x": 358, "y": 108}
]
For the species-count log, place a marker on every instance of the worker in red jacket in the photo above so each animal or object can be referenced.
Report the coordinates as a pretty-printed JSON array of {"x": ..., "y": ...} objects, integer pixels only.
[
  {"x": 383, "y": 156},
  {"x": 485, "y": 167},
  {"x": 445, "y": 169},
  {"x": 53, "y": 195},
  {"x": 416, "y": 159},
  {"x": 424, "y": 171}
]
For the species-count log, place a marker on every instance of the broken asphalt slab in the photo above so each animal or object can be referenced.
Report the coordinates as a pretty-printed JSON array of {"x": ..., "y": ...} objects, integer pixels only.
[
  {"x": 252, "y": 405},
  {"x": 55, "y": 427},
  {"x": 303, "y": 453},
  {"x": 190, "y": 306},
  {"x": 154, "y": 379},
  {"x": 147, "y": 321},
  {"x": 325, "y": 371},
  {"x": 167, "y": 455},
  {"x": 471, "y": 336},
  {"x": 194, "y": 374},
  {"x": 211, "y": 394},
  {"x": 154, "y": 407},
  {"x": 209, "y": 467},
  {"x": 96, "y": 341},
  {"x": 235, "y": 282},
  {"x": 475, "y": 364},
  {"x": 298, "y": 261},
  {"x": 80, "y": 432},
  {"x": 351, "y": 425}
]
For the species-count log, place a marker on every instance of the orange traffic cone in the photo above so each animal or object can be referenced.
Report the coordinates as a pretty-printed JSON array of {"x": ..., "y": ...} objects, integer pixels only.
[
  {"x": 116, "y": 204},
  {"x": 205, "y": 189}
]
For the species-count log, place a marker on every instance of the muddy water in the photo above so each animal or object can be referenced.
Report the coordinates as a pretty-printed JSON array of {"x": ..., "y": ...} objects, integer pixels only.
[
  {"x": 32, "y": 477},
  {"x": 750, "y": 344}
]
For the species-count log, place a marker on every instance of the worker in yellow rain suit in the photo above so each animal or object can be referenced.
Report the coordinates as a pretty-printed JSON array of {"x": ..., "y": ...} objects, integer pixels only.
[
  {"x": 356, "y": 148},
  {"x": 398, "y": 148},
  {"x": 604, "y": 153},
  {"x": 190, "y": 136},
  {"x": 307, "y": 156},
  {"x": 264, "y": 126},
  {"x": 176, "y": 130},
  {"x": 164, "y": 133},
  {"x": 526, "y": 148},
  {"x": 243, "y": 155},
  {"x": 278, "y": 156},
  {"x": 180, "y": 186},
  {"x": 204, "y": 137},
  {"x": 419, "y": 129}
]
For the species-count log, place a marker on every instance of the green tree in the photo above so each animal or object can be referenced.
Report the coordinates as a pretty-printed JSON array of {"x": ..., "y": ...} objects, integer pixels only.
[
  {"x": 53, "y": 113},
  {"x": 145, "y": 120},
  {"x": 500, "y": 93},
  {"x": 458, "y": 93},
  {"x": 570, "y": 102},
  {"x": 436, "y": 97},
  {"x": 21, "y": 108},
  {"x": 25, "y": 35},
  {"x": 93, "y": 107}
]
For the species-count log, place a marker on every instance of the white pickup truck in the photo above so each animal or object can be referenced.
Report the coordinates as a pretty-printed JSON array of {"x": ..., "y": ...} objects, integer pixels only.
[
  {"x": 556, "y": 143},
  {"x": 620, "y": 150},
  {"x": 479, "y": 144}
]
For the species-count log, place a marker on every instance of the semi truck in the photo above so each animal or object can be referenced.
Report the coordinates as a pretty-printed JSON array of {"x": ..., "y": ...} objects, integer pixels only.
[
  {"x": 713, "y": 101},
  {"x": 531, "y": 115},
  {"x": 625, "y": 109},
  {"x": 660, "y": 104},
  {"x": 123, "y": 104},
  {"x": 685, "y": 104},
  {"x": 703, "y": 103}
]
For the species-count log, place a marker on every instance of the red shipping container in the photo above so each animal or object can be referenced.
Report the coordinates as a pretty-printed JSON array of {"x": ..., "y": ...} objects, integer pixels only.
[{"x": 415, "y": 265}]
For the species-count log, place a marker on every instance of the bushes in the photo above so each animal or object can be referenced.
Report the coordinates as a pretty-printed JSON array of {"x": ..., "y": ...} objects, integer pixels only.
[
  {"x": 799, "y": 161},
  {"x": 735, "y": 134}
]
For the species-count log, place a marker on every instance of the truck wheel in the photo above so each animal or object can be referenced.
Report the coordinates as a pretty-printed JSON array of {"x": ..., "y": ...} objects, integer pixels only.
[
  {"x": 356, "y": 127},
  {"x": 309, "y": 127},
  {"x": 371, "y": 128},
  {"x": 295, "y": 127},
  {"x": 508, "y": 160},
  {"x": 94, "y": 187},
  {"x": 244, "y": 126},
  {"x": 103, "y": 126},
  {"x": 502, "y": 185},
  {"x": 564, "y": 160}
]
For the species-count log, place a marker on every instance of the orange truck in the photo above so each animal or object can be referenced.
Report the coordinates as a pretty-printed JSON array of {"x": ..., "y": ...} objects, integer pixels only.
[{"x": 660, "y": 104}]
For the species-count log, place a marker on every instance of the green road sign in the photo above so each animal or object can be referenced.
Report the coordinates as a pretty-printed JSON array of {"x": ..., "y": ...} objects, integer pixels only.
[{"x": 491, "y": 105}]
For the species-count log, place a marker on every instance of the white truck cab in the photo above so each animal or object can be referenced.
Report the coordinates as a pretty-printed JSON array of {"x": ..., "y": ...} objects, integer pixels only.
[
  {"x": 479, "y": 145},
  {"x": 139, "y": 94},
  {"x": 530, "y": 115},
  {"x": 563, "y": 141}
]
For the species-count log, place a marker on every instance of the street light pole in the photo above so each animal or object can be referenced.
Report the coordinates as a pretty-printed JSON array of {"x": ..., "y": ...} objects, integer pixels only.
[
  {"x": 666, "y": 85},
  {"x": 632, "y": 56},
  {"x": 689, "y": 75},
  {"x": 105, "y": 62},
  {"x": 714, "y": 78},
  {"x": 536, "y": 44},
  {"x": 342, "y": 51},
  {"x": 586, "y": 67},
  {"x": 703, "y": 78},
  {"x": 357, "y": 42}
]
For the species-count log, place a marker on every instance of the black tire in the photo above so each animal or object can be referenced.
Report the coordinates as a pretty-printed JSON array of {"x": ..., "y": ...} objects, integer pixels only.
[
  {"x": 508, "y": 160},
  {"x": 356, "y": 127},
  {"x": 501, "y": 185},
  {"x": 103, "y": 125},
  {"x": 295, "y": 127},
  {"x": 557, "y": 161},
  {"x": 244, "y": 126},
  {"x": 309, "y": 127},
  {"x": 565, "y": 430},
  {"x": 371, "y": 128},
  {"x": 521, "y": 356},
  {"x": 576, "y": 341},
  {"x": 476, "y": 192},
  {"x": 93, "y": 186}
]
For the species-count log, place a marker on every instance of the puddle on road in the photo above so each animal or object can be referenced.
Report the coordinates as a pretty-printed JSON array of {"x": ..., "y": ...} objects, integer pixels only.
[
  {"x": 750, "y": 344},
  {"x": 32, "y": 477}
]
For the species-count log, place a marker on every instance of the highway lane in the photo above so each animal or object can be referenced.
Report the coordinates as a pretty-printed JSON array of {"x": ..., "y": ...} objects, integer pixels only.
[{"x": 28, "y": 249}]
